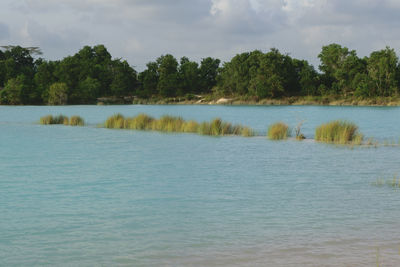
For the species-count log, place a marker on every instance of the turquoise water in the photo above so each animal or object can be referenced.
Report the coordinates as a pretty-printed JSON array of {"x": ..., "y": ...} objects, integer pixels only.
[{"x": 89, "y": 196}]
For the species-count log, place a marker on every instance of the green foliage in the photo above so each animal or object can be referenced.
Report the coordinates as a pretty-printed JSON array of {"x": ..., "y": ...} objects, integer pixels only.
[
  {"x": 278, "y": 131},
  {"x": 58, "y": 94},
  {"x": 168, "y": 79},
  {"x": 382, "y": 71},
  {"x": 338, "y": 132},
  {"x": 92, "y": 73}
]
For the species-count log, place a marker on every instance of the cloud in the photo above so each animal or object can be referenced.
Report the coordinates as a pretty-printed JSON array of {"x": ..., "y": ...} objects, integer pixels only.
[
  {"x": 142, "y": 30},
  {"x": 4, "y": 31}
]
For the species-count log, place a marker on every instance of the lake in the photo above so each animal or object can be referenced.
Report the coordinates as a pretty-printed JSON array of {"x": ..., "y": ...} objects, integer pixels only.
[{"x": 92, "y": 196}]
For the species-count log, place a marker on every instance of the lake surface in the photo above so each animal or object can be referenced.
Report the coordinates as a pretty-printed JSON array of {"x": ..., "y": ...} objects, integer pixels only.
[{"x": 84, "y": 196}]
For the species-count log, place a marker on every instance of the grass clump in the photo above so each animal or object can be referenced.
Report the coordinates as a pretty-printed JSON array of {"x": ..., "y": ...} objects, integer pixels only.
[
  {"x": 76, "y": 121},
  {"x": 140, "y": 122},
  {"x": 339, "y": 132},
  {"x": 278, "y": 131},
  {"x": 166, "y": 123},
  {"x": 49, "y": 119},
  {"x": 116, "y": 121},
  {"x": 190, "y": 127},
  {"x": 46, "y": 120},
  {"x": 393, "y": 182}
]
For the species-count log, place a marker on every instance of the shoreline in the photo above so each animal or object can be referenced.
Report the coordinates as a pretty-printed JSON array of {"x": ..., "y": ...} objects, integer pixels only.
[{"x": 287, "y": 101}]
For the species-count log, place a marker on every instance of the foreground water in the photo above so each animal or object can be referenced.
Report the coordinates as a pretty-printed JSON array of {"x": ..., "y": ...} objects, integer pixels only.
[{"x": 91, "y": 196}]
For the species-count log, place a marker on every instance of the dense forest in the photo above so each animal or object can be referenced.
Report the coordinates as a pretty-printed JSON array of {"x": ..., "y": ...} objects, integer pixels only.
[{"x": 92, "y": 73}]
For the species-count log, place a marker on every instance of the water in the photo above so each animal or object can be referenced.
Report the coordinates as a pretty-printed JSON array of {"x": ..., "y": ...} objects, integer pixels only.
[{"x": 90, "y": 196}]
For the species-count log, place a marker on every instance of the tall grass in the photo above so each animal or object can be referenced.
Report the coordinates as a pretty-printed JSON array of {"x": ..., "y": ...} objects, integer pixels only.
[
  {"x": 338, "y": 132},
  {"x": 278, "y": 131},
  {"x": 116, "y": 121},
  {"x": 76, "y": 121},
  {"x": 216, "y": 127},
  {"x": 49, "y": 119}
]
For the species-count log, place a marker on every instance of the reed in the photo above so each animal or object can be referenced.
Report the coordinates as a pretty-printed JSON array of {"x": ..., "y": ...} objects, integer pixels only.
[
  {"x": 49, "y": 119},
  {"x": 166, "y": 123},
  {"x": 46, "y": 120},
  {"x": 76, "y": 121},
  {"x": 140, "y": 122},
  {"x": 116, "y": 121},
  {"x": 247, "y": 132},
  {"x": 278, "y": 131},
  {"x": 204, "y": 128},
  {"x": 338, "y": 132},
  {"x": 190, "y": 127}
]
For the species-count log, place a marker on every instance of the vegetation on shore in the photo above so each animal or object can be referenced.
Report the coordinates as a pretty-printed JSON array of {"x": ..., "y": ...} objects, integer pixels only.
[
  {"x": 166, "y": 123},
  {"x": 61, "y": 119},
  {"x": 93, "y": 76},
  {"x": 338, "y": 132}
]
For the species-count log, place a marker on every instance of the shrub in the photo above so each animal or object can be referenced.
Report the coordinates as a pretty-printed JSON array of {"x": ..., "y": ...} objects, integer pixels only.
[
  {"x": 278, "y": 131},
  {"x": 338, "y": 132}
]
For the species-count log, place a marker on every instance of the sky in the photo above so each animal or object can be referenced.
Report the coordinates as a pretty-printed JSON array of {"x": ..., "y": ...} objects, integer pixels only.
[{"x": 139, "y": 31}]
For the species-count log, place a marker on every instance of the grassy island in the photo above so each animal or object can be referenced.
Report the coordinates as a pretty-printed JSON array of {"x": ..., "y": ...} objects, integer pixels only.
[
  {"x": 61, "y": 119},
  {"x": 166, "y": 123}
]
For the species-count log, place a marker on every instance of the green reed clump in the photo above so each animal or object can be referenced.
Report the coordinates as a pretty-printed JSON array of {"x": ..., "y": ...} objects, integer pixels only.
[
  {"x": 205, "y": 128},
  {"x": 49, "y": 119},
  {"x": 190, "y": 127},
  {"x": 46, "y": 120},
  {"x": 166, "y": 123},
  {"x": 76, "y": 121},
  {"x": 246, "y": 131},
  {"x": 140, "y": 122},
  {"x": 278, "y": 131},
  {"x": 116, "y": 121},
  {"x": 338, "y": 132}
]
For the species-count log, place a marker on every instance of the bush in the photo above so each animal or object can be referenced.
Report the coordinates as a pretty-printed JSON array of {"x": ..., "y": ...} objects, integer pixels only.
[{"x": 278, "y": 131}]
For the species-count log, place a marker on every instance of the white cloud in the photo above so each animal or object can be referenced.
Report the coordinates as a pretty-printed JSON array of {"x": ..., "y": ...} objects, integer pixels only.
[{"x": 142, "y": 30}]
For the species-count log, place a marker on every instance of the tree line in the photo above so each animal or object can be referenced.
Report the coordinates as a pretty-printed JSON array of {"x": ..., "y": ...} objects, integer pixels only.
[{"x": 92, "y": 73}]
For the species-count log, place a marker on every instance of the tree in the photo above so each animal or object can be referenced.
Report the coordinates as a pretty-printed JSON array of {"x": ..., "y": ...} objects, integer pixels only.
[
  {"x": 124, "y": 79},
  {"x": 382, "y": 70},
  {"x": 340, "y": 67},
  {"x": 149, "y": 80},
  {"x": 189, "y": 78},
  {"x": 58, "y": 94},
  {"x": 16, "y": 91},
  {"x": 168, "y": 79},
  {"x": 209, "y": 70},
  {"x": 88, "y": 90}
]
